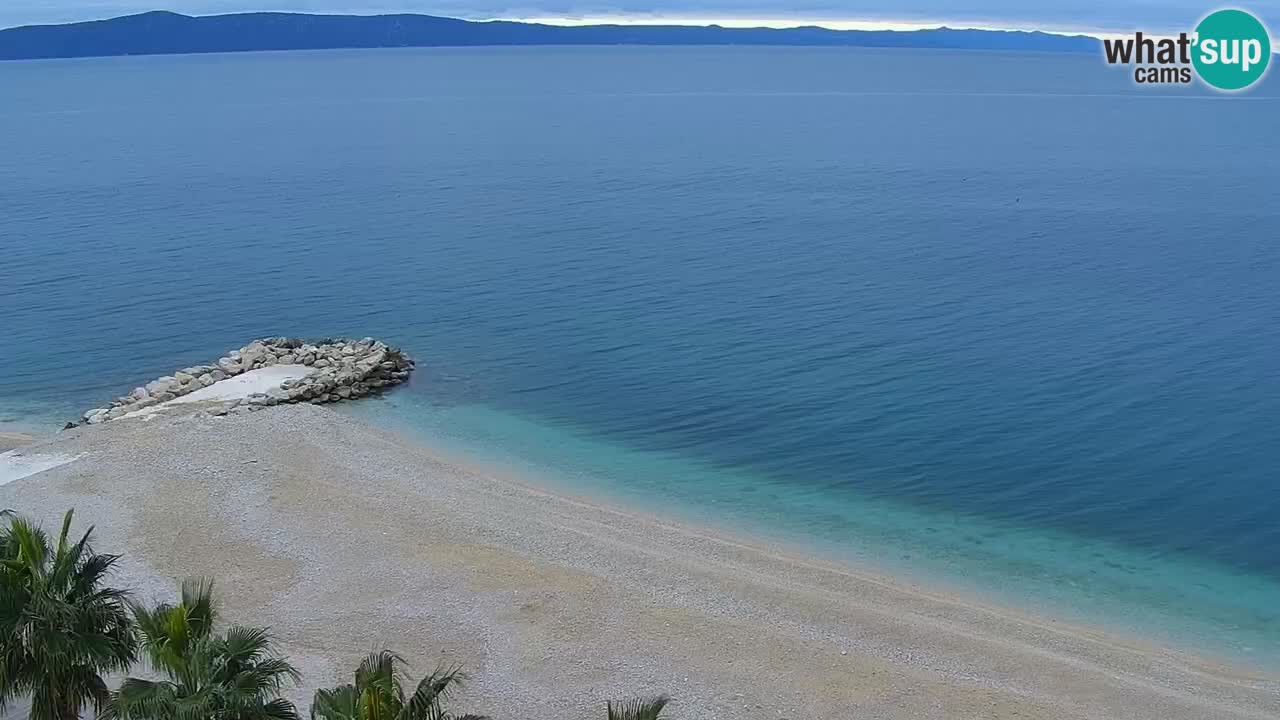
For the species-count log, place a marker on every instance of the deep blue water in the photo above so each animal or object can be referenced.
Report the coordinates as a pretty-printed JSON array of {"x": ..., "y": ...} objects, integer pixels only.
[{"x": 1004, "y": 321}]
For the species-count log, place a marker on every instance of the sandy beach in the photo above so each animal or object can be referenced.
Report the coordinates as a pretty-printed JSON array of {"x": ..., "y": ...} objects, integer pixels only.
[{"x": 342, "y": 537}]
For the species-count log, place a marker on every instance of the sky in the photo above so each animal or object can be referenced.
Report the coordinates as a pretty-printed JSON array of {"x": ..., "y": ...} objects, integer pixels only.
[{"x": 1055, "y": 15}]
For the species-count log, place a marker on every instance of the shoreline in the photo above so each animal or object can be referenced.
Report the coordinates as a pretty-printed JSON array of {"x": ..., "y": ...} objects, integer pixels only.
[
  {"x": 338, "y": 533},
  {"x": 12, "y": 440},
  {"x": 1184, "y": 605},
  {"x": 812, "y": 559},
  {"x": 817, "y": 559}
]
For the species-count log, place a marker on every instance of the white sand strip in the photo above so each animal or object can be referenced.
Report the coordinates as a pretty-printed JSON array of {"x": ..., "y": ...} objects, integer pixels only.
[
  {"x": 245, "y": 384},
  {"x": 15, "y": 465},
  {"x": 233, "y": 388}
]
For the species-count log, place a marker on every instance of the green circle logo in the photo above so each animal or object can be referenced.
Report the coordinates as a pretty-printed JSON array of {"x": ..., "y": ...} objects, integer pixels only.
[{"x": 1232, "y": 49}]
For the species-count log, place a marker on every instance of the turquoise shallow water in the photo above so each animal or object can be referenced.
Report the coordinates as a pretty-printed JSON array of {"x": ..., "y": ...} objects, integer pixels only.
[
  {"x": 1068, "y": 577},
  {"x": 1001, "y": 321}
]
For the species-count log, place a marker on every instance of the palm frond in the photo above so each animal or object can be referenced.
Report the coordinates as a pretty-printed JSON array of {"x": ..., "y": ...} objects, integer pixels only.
[
  {"x": 153, "y": 629},
  {"x": 340, "y": 703},
  {"x": 29, "y": 547},
  {"x": 245, "y": 644},
  {"x": 84, "y": 576},
  {"x": 376, "y": 705},
  {"x": 432, "y": 691},
  {"x": 279, "y": 709},
  {"x": 378, "y": 669},
  {"x": 170, "y": 631},
  {"x": 197, "y": 598},
  {"x": 638, "y": 709},
  {"x": 66, "y": 529},
  {"x": 378, "y": 694},
  {"x": 140, "y": 700},
  {"x": 279, "y": 670}
]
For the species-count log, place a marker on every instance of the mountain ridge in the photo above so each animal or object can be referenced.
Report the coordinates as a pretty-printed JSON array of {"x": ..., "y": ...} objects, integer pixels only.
[{"x": 162, "y": 32}]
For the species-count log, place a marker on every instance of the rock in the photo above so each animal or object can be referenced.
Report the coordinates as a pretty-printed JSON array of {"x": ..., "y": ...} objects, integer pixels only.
[
  {"x": 343, "y": 370},
  {"x": 252, "y": 353},
  {"x": 161, "y": 385},
  {"x": 218, "y": 411},
  {"x": 70, "y": 426}
]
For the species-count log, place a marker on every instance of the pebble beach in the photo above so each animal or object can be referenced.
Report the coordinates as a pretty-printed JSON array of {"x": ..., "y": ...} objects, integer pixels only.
[{"x": 343, "y": 537}]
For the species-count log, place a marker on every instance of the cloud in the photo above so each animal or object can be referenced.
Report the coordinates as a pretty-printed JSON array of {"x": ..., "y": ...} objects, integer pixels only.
[{"x": 1119, "y": 15}]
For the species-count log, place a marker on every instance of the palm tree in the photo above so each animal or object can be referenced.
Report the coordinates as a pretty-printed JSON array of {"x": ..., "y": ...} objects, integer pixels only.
[
  {"x": 378, "y": 694},
  {"x": 60, "y": 629},
  {"x": 170, "y": 631},
  {"x": 209, "y": 676},
  {"x": 644, "y": 709}
]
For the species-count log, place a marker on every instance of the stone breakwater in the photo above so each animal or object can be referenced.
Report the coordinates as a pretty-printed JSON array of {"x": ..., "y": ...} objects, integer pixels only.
[{"x": 339, "y": 370}]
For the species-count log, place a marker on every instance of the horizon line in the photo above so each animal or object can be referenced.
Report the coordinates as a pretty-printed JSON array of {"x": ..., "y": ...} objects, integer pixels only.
[
  {"x": 785, "y": 23},
  {"x": 655, "y": 20}
]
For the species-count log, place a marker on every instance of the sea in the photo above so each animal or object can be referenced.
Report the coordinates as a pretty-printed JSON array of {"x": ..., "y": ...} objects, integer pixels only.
[{"x": 1007, "y": 324}]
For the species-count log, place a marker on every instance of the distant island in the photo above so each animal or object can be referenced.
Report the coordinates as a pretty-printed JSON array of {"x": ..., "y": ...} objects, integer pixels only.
[{"x": 161, "y": 33}]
